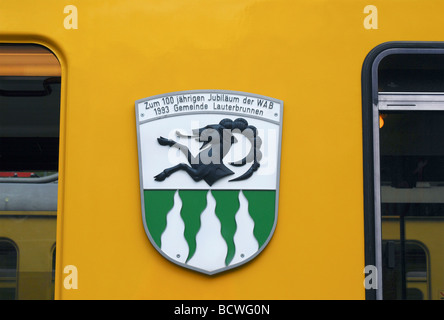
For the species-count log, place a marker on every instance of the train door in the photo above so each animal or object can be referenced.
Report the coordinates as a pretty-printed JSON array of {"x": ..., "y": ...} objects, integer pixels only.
[
  {"x": 408, "y": 172},
  {"x": 29, "y": 147}
]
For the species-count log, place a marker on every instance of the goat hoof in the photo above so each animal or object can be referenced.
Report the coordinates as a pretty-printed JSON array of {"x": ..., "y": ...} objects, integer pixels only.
[
  {"x": 163, "y": 141},
  {"x": 161, "y": 176}
]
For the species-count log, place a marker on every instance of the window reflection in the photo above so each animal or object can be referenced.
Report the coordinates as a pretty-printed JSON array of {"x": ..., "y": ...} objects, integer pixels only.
[
  {"x": 412, "y": 204},
  {"x": 29, "y": 146}
]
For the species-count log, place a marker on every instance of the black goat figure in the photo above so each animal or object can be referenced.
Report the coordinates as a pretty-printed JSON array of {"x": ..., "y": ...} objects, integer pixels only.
[{"x": 219, "y": 138}]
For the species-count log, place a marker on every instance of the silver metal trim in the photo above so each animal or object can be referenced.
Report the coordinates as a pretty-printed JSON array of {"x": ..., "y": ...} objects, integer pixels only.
[
  {"x": 377, "y": 201},
  {"x": 408, "y": 101}
]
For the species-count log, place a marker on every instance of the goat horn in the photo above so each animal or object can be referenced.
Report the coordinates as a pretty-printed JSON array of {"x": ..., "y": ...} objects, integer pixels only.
[{"x": 179, "y": 134}]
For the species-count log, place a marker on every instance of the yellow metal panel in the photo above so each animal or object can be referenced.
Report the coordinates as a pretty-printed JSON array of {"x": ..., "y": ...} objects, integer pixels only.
[{"x": 307, "y": 53}]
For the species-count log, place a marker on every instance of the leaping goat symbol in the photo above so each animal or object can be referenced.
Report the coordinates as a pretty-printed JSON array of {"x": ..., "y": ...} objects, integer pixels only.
[{"x": 219, "y": 138}]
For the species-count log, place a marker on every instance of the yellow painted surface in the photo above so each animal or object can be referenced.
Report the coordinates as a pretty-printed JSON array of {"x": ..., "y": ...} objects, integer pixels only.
[{"x": 307, "y": 53}]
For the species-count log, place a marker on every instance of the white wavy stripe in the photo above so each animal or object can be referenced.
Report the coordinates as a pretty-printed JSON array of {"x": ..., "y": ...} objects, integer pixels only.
[
  {"x": 244, "y": 240},
  {"x": 173, "y": 242},
  {"x": 211, "y": 248}
]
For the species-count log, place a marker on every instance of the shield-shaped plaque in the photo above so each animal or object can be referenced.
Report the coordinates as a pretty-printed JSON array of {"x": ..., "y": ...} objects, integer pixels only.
[{"x": 209, "y": 175}]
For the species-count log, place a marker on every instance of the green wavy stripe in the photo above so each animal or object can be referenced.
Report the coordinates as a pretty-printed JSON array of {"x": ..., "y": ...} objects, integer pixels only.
[
  {"x": 227, "y": 205},
  {"x": 261, "y": 206},
  {"x": 193, "y": 204},
  {"x": 157, "y": 204}
]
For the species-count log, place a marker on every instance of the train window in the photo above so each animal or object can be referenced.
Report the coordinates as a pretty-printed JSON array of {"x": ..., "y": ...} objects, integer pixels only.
[
  {"x": 30, "y": 80},
  {"x": 8, "y": 270},
  {"x": 407, "y": 114}
]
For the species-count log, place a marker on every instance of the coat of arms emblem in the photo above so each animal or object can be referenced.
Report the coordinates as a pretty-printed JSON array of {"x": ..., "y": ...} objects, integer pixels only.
[{"x": 209, "y": 175}]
